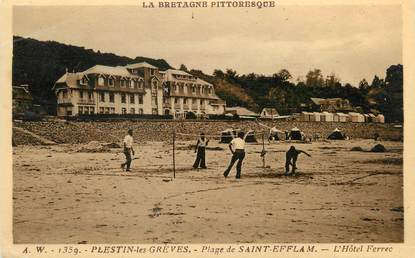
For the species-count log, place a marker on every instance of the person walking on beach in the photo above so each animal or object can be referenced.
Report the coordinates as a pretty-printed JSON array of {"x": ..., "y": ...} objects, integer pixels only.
[
  {"x": 128, "y": 150},
  {"x": 291, "y": 159},
  {"x": 237, "y": 147},
  {"x": 201, "y": 145}
]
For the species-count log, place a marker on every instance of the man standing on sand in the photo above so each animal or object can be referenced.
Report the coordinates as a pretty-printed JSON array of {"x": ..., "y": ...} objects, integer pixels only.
[
  {"x": 128, "y": 150},
  {"x": 201, "y": 144},
  {"x": 237, "y": 147},
  {"x": 291, "y": 159}
]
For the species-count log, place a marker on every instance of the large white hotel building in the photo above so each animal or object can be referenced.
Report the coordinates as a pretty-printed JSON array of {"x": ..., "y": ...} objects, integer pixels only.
[{"x": 138, "y": 88}]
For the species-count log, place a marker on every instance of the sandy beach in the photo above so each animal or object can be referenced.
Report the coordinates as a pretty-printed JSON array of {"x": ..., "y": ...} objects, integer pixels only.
[{"x": 62, "y": 195}]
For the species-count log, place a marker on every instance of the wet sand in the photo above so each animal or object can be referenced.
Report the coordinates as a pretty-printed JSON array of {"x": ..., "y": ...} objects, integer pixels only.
[{"x": 64, "y": 196}]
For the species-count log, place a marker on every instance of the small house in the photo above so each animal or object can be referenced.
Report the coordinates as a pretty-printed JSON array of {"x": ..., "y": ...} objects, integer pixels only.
[{"x": 269, "y": 113}]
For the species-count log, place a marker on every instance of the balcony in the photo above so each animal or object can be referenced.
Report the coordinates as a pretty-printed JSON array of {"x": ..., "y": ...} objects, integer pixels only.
[
  {"x": 167, "y": 105},
  {"x": 194, "y": 106},
  {"x": 64, "y": 101},
  {"x": 86, "y": 102},
  {"x": 177, "y": 106},
  {"x": 202, "y": 107}
]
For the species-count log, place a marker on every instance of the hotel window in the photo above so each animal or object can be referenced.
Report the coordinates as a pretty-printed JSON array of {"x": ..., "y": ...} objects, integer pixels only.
[
  {"x": 90, "y": 96},
  {"x": 80, "y": 110},
  {"x": 111, "y": 82},
  {"x": 176, "y": 101},
  {"x": 124, "y": 111},
  {"x": 132, "y": 111},
  {"x": 123, "y": 83},
  {"x": 193, "y": 89},
  {"x": 140, "y": 84},
  {"x": 64, "y": 94},
  {"x": 201, "y": 102},
  {"x": 107, "y": 110},
  {"x": 154, "y": 111},
  {"x": 123, "y": 98},
  {"x": 132, "y": 98},
  {"x": 132, "y": 82},
  {"x": 91, "y": 110},
  {"x": 140, "y": 99},
  {"x": 154, "y": 87},
  {"x": 153, "y": 100},
  {"x": 152, "y": 71},
  {"x": 101, "y": 81},
  {"x": 112, "y": 97},
  {"x": 174, "y": 88},
  {"x": 210, "y": 90},
  {"x": 184, "y": 101},
  {"x": 102, "y": 97},
  {"x": 140, "y": 111},
  {"x": 112, "y": 110},
  {"x": 101, "y": 110},
  {"x": 81, "y": 94}
]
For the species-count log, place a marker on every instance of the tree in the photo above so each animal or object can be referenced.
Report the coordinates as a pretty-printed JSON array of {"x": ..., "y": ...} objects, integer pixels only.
[
  {"x": 363, "y": 85},
  {"x": 284, "y": 74},
  {"x": 314, "y": 79},
  {"x": 332, "y": 81},
  {"x": 218, "y": 73},
  {"x": 377, "y": 83},
  {"x": 394, "y": 93},
  {"x": 394, "y": 78},
  {"x": 230, "y": 74},
  {"x": 183, "y": 68}
]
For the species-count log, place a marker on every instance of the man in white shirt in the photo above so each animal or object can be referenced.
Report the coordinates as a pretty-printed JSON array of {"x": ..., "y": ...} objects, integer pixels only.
[
  {"x": 237, "y": 147},
  {"x": 128, "y": 150}
]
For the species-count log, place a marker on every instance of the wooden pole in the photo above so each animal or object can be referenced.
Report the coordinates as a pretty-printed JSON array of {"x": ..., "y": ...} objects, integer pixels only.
[
  {"x": 174, "y": 153},
  {"x": 263, "y": 150}
]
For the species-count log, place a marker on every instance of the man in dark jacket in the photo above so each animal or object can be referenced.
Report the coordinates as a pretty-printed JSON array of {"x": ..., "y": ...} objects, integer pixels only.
[{"x": 291, "y": 159}]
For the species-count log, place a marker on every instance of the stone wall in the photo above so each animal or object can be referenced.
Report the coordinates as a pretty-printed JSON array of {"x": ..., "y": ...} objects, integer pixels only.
[{"x": 84, "y": 132}]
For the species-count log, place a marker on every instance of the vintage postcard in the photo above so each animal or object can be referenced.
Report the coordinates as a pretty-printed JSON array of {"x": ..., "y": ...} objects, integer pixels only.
[{"x": 207, "y": 128}]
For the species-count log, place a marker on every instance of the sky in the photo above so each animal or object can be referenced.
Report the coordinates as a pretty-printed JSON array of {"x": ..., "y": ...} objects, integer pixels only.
[{"x": 354, "y": 42}]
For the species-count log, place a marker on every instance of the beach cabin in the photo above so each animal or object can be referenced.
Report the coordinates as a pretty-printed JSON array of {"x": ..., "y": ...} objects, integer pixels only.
[
  {"x": 305, "y": 116},
  {"x": 342, "y": 117},
  {"x": 327, "y": 117},
  {"x": 356, "y": 117},
  {"x": 380, "y": 119},
  {"x": 372, "y": 118},
  {"x": 317, "y": 116}
]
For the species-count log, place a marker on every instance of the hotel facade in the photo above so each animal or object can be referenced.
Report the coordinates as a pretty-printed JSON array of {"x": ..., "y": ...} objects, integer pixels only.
[{"x": 138, "y": 88}]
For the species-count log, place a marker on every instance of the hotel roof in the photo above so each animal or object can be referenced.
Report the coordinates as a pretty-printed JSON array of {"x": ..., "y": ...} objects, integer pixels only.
[
  {"x": 170, "y": 72},
  {"x": 140, "y": 65},
  {"x": 108, "y": 70}
]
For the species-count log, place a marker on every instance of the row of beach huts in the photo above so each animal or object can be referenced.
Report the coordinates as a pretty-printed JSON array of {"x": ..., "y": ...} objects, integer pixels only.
[{"x": 340, "y": 117}]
